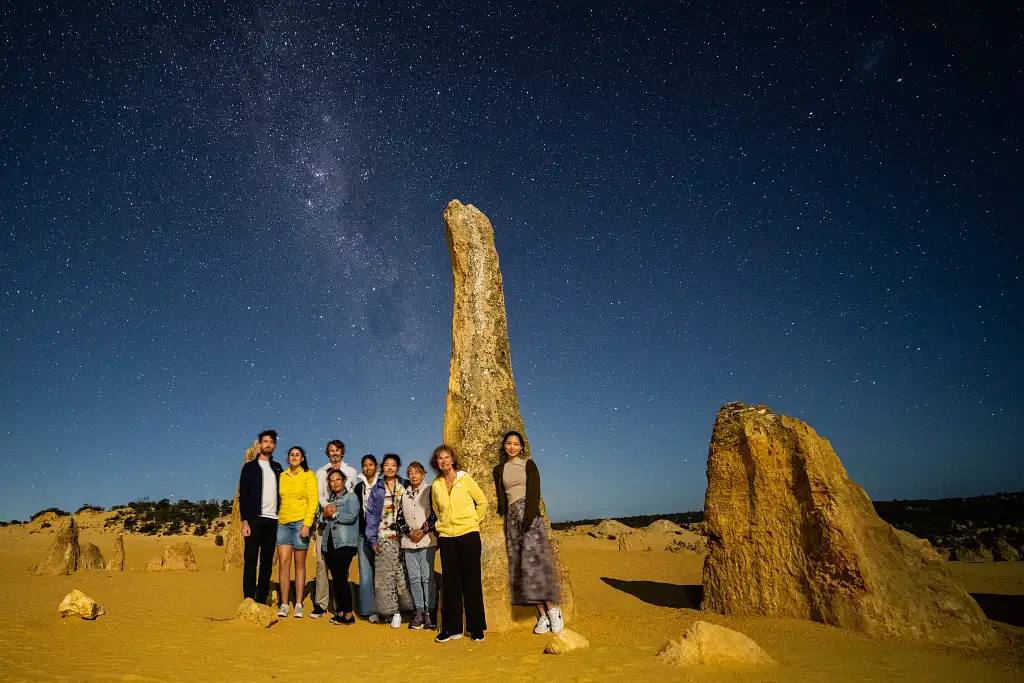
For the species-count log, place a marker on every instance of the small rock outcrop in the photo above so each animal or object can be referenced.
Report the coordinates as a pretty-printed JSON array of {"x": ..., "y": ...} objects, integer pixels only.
[
  {"x": 566, "y": 642},
  {"x": 1004, "y": 552},
  {"x": 78, "y": 604},
  {"x": 663, "y": 526},
  {"x": 178, "y": 556},
  {"x": 791, "y": 536},
  {"x": 253, "y": 612},
  {"x": 91, "y": 558},
  {"x": 703, "y": 643},
  {"x": 64, "y": 553},
  {"x": 626, "y": 542},
  {"x": 609, "y": 529},
  {"x": 116, "y": 562},
  {"x": 962, "y": 553}
]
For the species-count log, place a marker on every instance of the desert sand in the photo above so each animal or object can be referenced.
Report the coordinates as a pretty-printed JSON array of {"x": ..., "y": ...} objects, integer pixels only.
[{"x": 180, "y": 626}]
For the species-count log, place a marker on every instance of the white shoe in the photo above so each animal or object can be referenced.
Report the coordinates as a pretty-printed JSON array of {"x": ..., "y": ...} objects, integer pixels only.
[
  {"x": 543, "y": 626},
  {"x": 373, "y": 619},
  {"x": 396, "y": 621},
  {"x": 298, "y": 612},
  {"x": 282, "y": 611},
  {"x": 555, "y": 619}
]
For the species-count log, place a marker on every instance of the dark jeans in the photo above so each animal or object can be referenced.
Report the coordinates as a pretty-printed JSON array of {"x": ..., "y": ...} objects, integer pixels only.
[
  {"x": 338, "y": 561},
  {"x": 460, "y": 583},
  {"x": 259, "y": 546}
]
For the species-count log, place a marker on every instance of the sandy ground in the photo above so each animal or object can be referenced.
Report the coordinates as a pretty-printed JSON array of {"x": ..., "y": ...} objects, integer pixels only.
[{"x": 178, "y": 626}]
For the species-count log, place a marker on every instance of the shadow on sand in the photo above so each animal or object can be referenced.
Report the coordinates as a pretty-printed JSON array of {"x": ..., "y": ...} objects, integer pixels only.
[
  {"x": 660, "y": 594},
  {"x": 1008, "y": 609}
]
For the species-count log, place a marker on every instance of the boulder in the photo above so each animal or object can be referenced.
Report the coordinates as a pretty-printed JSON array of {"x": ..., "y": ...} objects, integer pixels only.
[
  {"x": 117, "y": 560},
  {"x": 565, "y": 642},
  {"x": 703, "y": 643},
  {"x": 234, "y": 546},
  {"x": 625, "y": 542},
  {"x": 64, "y": 553},
  {"x": 482, "y": 403},
  {"x": 791, "y": 536},
  {"x": 1004, "y": 552},
  {"x": 178, "y": 556},
  {"x": 962, "y": 553},
  {"x": 261, "y": 615},
  {"x": 78, "y": 604},
  {"x": 91, "y": 558},
  {"x": 610, "y": 529},
  {"x": 663, "y": 526}
]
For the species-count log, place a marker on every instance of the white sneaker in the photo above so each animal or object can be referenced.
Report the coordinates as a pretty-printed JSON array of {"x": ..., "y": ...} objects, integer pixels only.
[
  {"x": 298, "y": 612},
  {"x": 396, "y": 621},
  {"x": 543, "y": 626},
  {"x": 282, "y": 611},
  {"x": 555, "y": 619},
  {"x": 373, "y": 619}
]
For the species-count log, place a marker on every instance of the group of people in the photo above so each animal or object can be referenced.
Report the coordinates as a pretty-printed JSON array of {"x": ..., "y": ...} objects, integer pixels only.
[{"x": 393, "y": 527}]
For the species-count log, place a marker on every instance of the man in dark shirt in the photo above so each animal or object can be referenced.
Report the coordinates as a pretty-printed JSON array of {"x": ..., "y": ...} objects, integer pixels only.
[{"x": 257, "y": 504}]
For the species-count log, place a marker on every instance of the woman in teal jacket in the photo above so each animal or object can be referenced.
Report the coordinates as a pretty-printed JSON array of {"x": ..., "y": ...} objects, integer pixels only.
[{"x": 340, "y": 540}]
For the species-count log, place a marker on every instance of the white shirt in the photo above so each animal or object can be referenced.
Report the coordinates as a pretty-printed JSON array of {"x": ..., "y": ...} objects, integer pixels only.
[
  {"x": 269, "y": 503},
  {"x": 323, "y": 493}
]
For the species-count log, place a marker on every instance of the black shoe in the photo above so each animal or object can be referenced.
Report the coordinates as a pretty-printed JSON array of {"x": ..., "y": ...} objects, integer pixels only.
[
  {"x": 445, "y": 636},
  {"x": 476, "y": 636},
  {"x": 337, "y": 619},
  {"x": 317, "y": 612}
]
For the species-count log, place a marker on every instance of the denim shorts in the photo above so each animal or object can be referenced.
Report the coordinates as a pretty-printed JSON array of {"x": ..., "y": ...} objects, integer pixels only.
[{"x": 288, "y": 534}]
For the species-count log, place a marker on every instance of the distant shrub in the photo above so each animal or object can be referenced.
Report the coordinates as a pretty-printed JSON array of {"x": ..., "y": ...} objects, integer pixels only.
[
  {"x": 219, "y": 540},
  {"x": 17, "y": 521},
  {"x": 200, "y": 530},
  {"x": 56, "y": 511},
  {"x": 86, "y": 507},
  {"x": 45, "y": 525}
]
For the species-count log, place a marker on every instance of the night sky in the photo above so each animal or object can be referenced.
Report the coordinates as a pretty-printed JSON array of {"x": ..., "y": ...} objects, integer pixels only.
[{"x": 218, "y": 218}]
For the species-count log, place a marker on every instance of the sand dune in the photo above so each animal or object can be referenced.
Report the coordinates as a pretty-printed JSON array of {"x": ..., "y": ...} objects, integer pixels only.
[{"x": 178, "y": 626}]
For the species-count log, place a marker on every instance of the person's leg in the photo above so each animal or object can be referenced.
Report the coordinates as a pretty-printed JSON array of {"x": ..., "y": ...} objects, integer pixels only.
[
  {"x": 472, "y": 587},
  {"x": 414, "y": 558},
  {"x": 451, "y": 584},
  {"x": 322, "y": 594},
  {"x": 251, "y": 555},
  {"x": 367, "y": 606},
  {"x": 266, "y": 546},
  {"x": 430, "y": 584},
  {"x": 300, "y": 577},
  {"x": 284, "y": 573},
  {"x": 342, "y": 591}
]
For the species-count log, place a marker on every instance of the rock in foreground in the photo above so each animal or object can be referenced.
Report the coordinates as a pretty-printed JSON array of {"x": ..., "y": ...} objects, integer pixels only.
[
  {"x": 564, "y": 642},
  {"x": 791, "y": 536},
  {"x": 64, "y": 553},
  {"x": 261, "y": 615},
  {"x": 77, "y": 603},
  {"x": 705, "y": 643}
]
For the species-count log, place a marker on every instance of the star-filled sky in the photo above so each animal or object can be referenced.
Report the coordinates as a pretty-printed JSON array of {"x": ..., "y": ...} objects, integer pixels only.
[{"x": 217, "y": 218}]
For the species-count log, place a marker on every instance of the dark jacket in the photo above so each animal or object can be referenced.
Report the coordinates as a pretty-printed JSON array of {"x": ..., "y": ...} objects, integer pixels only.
[
  {"x": 532, "y": 492},
  {"x": 358, "y": 490},
  {"x": 250, "y": 488}
]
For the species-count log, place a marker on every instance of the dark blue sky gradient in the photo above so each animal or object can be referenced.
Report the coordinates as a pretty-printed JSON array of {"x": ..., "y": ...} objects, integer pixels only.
[{"x": 219, "y": 219}]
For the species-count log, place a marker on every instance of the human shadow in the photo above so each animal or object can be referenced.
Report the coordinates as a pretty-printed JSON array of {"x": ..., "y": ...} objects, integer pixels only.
[
  {"x": 660, "y": 594},
  {"x": 1008, "y": 609}
]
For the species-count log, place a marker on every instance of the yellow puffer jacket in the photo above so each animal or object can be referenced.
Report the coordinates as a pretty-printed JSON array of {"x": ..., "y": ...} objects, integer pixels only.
[
  {"x": 460, "y": 512},
  {"x": 298, "y": 497}
]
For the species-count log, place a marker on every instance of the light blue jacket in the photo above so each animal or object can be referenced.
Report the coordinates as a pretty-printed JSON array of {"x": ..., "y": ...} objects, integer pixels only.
[{"x": 343, "y": 527}]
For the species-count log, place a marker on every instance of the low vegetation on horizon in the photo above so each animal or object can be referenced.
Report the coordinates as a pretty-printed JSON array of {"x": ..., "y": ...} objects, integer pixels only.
[{"x": 151, "y": 518}]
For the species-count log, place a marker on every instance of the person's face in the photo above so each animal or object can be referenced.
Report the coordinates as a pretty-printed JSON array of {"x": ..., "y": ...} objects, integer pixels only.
[
  {"x": 415, "y": 477},
  {"x": 334, "y": 454},
  {"x": 267, "y": 445},
  {"x": 294, "y": 458},
  {"x": 390, "y": 468},
  {"x": 336, "y": 483},
  {"x": 369, "y": 468},
  {"x": 513, "y": 446},
  {"x": 444, "y": 462}
]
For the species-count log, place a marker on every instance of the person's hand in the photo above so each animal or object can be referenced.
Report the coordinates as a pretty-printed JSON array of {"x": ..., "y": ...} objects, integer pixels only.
[
  {"x": 415, "y": 535},
  {"x": 304, "y": 533},
  {"x": 246, "y": 531},
  {"x": 376, "y": 550},
  {"x": 330, "y": 510}
]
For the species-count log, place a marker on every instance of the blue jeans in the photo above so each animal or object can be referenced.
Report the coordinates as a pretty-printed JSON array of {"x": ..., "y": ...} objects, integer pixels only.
[
  {"x": 420, "y": 564},
  {"x": 364, "y": 553}
]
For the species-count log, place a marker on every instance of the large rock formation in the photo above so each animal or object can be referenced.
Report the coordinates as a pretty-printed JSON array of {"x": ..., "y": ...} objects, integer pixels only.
[
  {"x": 116, "y": 562},
  {"x": 64, "y": 553},
  {"x": 234, "y": 547},
  {"x": 791, "y": 536},
  {"x": 91, "y": 558},
  {"x": 482, "y": 403},
  {"x": 176, "y": 557}
]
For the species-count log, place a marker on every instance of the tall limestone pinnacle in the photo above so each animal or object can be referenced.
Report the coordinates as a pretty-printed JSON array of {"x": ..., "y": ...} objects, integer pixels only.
[
  {"x": 482, "y": 403},
  {"x": 233, "y": 545}
]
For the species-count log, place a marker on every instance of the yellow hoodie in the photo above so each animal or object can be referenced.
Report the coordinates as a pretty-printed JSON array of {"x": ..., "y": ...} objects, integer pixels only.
[
  {"x": 463, "y": 511},
  {"x": 298, "y": 497}
]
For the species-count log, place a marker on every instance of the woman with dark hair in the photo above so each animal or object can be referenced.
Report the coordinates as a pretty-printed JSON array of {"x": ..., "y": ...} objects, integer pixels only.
[
  {"x": 390, "y": 589},
  {"x": 298, "y": 494},
  {"x": 339, "y": 540},
  {"x": 364, "y": 554},
  {"x": 531, "y": 566},
  {"x": 460, "y": 507}
]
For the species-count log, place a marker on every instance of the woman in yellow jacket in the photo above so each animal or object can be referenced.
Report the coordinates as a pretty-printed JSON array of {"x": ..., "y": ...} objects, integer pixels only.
[
  {"x": 460, "y": 507},
  {"x": 298, "y": 500}
]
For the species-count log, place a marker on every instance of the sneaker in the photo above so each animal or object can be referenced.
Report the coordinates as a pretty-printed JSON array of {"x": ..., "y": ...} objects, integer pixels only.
[
  {"x": 476, "y": 636},
  {"x": 428, "y": 621},
  {"x": 555, "y": 619},
  {"x": 543, "y": 625},
  {"x": 418, "y": 621},
  {"x": 282, "y": 611},
  {"x": 317, "y": 612},
  {"x": 445, "y": 636},
  {"x": 337, "y": 620},
  {"x": 297, "y": 613},
  {"x": 373, "y": 619},
  {"x": 396, "y": 620}
]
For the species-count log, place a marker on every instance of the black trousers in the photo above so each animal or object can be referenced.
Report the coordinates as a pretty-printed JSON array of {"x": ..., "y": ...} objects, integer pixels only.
[
  {"x": 338, "y": 561},
  {"x": 460, "y": 583},
  {"x": 259, "y": 546}
]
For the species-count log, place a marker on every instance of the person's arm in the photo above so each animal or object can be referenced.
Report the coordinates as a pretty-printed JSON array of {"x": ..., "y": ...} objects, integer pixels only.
[
  {"x": 532, "y": 494},
  {"x": 403, "y": 526},
  {"x": 374, "y": 508},
  {"x": 323, "y": 493},
  {"x": 477, "y": 494},
  {"x": 499, "y": 489},
  {"x": 432, "y": 519},
  {"x": 311, "y": 500},
  {"x": 348, "y": 511}
]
